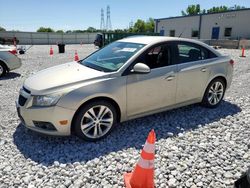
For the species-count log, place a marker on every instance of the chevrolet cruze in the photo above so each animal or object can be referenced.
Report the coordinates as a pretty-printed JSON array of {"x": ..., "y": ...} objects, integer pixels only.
[{"x": 127, "y": 79}]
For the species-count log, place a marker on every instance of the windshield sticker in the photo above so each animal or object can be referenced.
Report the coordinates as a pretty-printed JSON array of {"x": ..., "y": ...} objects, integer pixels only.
[{"x": 128, "y": 50}]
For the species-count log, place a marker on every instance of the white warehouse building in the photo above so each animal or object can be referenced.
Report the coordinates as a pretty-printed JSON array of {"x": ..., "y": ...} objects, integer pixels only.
[{"x": 233, "y": 24}]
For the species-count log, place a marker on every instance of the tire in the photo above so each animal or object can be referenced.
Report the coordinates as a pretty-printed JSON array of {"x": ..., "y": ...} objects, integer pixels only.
[
  {"x": 214, "y": 93},
  {"x": 3, "y": 69},
  {"x": 91, "y": 125}
]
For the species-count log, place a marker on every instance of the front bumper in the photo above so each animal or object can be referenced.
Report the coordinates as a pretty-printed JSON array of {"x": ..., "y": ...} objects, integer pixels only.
[{"x": 53, "y": 115}]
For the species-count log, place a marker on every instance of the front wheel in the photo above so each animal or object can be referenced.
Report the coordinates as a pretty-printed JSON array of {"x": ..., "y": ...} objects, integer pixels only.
[
  {"x": 95, "y": 120},
  {"x": 214, "y": 93}
]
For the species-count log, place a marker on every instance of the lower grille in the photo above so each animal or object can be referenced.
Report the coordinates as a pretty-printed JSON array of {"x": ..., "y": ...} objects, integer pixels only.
[
  {"x": 44, "y": 125},
  {"x": 21, "y": 100}
]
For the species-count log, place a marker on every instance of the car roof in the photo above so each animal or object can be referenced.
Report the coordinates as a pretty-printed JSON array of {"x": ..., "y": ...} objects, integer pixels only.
[{"x": 151, "y": 40}]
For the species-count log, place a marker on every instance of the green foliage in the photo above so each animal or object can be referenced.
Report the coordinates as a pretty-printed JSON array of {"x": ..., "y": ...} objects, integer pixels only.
[
  {"x": 91, "y": 29},
  {"x": 2, "y": 29},
  {"x": 60, "y": 31},
  {"x": 217, "y": 9},
  {"x": 150, "y": 25},
  {"x": 192, "y": 10},
  {"x": 68, "y": 31},
  {"x": 45, "y": 29},
  {"x": 141, "y": 26},
  {"x": 196, "y": 9}
]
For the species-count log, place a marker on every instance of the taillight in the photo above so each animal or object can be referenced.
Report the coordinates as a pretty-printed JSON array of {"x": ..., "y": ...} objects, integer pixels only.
[
  {"x": 231, "y": 62},
  {"x": 13, "y": 51}
]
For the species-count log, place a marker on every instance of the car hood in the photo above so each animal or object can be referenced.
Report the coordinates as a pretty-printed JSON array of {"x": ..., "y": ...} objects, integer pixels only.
[{"x": 58, "y": 77}]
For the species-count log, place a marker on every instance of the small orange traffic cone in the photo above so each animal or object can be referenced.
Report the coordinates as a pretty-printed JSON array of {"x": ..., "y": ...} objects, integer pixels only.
[
  {"x": 243, "y": 52},
  {"x": 76, "y": 56},
  {"x": 143, "y": 174},
  {"x": 51, "y": 51}
]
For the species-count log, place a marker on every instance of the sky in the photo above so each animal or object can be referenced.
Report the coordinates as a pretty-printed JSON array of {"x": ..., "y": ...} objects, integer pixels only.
[{"x": 29, "y": 15}]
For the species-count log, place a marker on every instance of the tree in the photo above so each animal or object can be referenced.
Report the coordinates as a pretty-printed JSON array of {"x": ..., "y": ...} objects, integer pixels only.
[
  {"x": 237, "y": 7},
  {"x": 60, "y": 31},
  {"x": 192, "y": 10},
  {"x": 91, "y": 29},
  {"x": 140, "y": 26},
  {"x": 45, "y": 29},
  {"x": 150, "y": 25},
  {"x": 218, "y": 9},
  {"x": 196, "y": 9},
  {"x": 2, "y": 29}
]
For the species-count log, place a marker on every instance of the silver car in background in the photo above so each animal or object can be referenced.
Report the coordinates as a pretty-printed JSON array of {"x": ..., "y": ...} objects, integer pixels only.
[
  {"x": 8, "y": 59},
  {"x": 127, "y": 79}
]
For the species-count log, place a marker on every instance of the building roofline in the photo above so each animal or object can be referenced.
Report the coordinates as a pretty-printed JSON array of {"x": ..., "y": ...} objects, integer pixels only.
[{"x": 202, "y": 14}]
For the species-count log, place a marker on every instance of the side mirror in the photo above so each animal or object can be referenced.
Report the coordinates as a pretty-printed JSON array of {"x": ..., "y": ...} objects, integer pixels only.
[{"x": 140, "y": 68}]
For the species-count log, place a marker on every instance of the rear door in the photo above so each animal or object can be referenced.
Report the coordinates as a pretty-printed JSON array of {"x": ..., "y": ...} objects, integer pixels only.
[{"x": 193, "y": 71}]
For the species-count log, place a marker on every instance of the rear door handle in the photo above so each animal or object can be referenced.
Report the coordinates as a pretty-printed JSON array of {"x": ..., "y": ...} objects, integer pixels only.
[
  {"x": 203, "y": 70},
  {"x": 169, "y": 78}
]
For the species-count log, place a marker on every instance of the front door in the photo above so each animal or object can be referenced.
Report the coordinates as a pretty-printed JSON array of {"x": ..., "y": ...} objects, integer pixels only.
[
  {"x": 155, "y": 90},
  {"x": 215, "y": 32}
]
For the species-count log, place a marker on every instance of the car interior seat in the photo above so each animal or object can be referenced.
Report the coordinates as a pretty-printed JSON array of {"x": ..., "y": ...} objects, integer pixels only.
[
  {"x": 194, "y": 55},
  {"x": 163, "y": 58}
]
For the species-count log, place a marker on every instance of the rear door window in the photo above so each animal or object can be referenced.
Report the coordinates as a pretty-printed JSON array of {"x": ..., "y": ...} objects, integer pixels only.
[{"x": 188, "y": 52}]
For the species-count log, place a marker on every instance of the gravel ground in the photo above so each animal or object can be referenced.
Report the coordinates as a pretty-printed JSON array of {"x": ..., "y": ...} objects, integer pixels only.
[{"x": 196, "y": 147}]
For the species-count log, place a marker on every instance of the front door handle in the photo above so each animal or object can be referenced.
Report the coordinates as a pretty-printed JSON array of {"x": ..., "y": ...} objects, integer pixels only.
[
  {"x": 203, "y": 70},
  {"x": 169, "y": 78}
]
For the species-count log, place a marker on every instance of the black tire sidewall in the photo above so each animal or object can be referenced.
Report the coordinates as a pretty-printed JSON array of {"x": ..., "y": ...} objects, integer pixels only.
[
  {"x": 83, "y": 110},
  {"x": 205, "y": 101},
  {"x": 4, "y": 69}
]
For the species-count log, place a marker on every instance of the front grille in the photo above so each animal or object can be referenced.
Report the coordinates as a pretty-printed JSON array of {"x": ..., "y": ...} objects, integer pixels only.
[
  {"x": 44, "y": 125},
  {"x": 21, "y": 100}
]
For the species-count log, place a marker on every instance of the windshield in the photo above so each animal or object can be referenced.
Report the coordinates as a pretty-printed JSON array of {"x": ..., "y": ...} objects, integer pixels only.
[{"x": 112, "y": 57}]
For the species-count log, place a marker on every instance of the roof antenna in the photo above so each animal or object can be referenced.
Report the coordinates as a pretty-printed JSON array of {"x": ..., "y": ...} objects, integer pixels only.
[{"x": 182, "y": 32}]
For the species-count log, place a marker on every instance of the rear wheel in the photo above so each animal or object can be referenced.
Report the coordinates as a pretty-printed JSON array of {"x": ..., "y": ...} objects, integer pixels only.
[
  {"x": 214, "y": 93},
  {"x": 95, "y": 120},
  {"x": 3, "y": 69}
]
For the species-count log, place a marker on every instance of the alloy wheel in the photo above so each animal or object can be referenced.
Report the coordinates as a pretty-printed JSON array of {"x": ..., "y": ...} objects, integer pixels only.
[
  {"x": 215, "y": 93},
  {"x": 97, "y": 121}
]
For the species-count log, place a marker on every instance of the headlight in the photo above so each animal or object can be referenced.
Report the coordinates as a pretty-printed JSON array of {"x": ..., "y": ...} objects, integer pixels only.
[{"x": 46, "y": 100}]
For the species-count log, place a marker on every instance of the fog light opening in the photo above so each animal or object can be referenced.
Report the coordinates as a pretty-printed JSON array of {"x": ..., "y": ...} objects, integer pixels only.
[{"x": 44, "y": 125}]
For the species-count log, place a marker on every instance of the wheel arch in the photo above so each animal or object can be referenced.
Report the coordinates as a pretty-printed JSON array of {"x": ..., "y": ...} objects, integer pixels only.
[
  {"x": 108, "y": 99},
  {"x": 216, "y": 77},
  {"x": 5, "y": 65}
]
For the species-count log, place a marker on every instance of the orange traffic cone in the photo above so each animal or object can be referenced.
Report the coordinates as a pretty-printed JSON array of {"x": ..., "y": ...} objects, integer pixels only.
[
  {"x": 243, "y": 52},
  {"x": 76, "y": 56},
  {"x": 143, "y": 174},
  {"x": 51, "y": 51}
]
